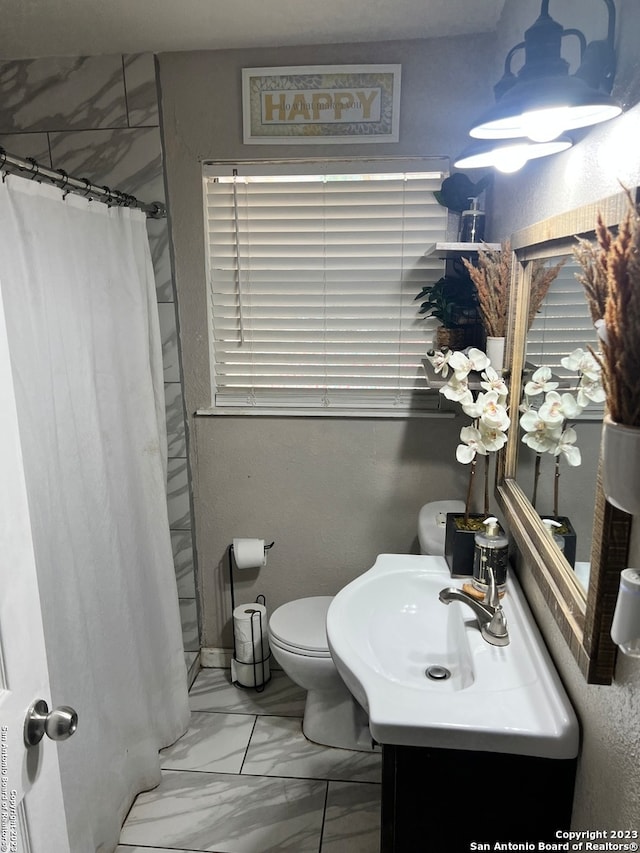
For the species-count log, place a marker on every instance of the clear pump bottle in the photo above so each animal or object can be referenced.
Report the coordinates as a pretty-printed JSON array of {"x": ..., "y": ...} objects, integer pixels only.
[
  {"x": 472, "y": 223},
  {"x": 491, "y": 550}
]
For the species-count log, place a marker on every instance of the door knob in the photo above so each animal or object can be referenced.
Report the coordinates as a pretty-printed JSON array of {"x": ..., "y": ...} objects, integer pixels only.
[{"x": 58, "y": 724}]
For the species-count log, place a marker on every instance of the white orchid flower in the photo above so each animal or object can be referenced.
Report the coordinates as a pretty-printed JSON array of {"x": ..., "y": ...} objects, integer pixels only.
[
  {"x": 462, "y": 364},
  {"x": 440, "y": 361},
  {"x": 582, "y": 362},
  {"x": 472, "y": 444},
  {"x": 478, "y": 359},
  {"x": 457, "y": 390},
  {"x": 489, "y": 410},
  {"x": 493, "y": 381},
  {"x": 590, "y": 391},
  {"x": 566, "y": 446},
  {"x": 540, "y": 382},
  {"x": 492, "y": 438},
  {"x": 539, "y": 435},
  {"x": 556, "y": 409}
]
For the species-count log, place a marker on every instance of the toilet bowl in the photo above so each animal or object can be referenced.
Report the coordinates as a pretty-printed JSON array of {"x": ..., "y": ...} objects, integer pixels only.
[{"x": 298, "y": 642}]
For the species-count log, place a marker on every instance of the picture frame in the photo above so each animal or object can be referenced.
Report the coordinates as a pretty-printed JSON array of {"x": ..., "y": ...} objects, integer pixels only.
[{"x": 320, "y": 104}]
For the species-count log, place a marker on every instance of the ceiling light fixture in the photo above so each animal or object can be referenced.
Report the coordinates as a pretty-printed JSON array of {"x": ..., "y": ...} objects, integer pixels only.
[
  {"x": 508, "y": 155},
  {"x": 542, "y": 101}
]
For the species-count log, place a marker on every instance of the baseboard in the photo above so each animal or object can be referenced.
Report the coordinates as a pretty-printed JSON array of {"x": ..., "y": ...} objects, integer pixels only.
[{"x": 215, "y": 657}]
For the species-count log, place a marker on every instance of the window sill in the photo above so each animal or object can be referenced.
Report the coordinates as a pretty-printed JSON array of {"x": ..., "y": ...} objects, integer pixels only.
[{"x": 366, "y": 414}]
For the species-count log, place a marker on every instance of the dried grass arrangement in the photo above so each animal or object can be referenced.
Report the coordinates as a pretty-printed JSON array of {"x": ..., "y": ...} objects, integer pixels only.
[
  {"x": 611, "y": 279},
  {"x": 492, "y": 279}
]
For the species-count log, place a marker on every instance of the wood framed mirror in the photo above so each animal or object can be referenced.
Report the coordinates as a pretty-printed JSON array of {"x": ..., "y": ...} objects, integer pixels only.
[{"x": 583, "y": 611}]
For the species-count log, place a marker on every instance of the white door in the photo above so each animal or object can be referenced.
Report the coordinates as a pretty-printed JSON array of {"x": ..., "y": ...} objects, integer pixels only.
[{"x": 32, "y": 818}]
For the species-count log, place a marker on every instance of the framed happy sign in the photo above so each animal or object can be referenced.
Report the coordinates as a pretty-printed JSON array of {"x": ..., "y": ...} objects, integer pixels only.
[{"x": 321, "y": 104}]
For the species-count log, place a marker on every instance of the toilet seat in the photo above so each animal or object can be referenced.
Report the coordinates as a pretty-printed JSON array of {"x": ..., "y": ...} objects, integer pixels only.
[{"x": 299, "y": 626}]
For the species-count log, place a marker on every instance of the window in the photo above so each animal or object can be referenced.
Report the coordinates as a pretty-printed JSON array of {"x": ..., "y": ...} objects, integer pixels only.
[{"x": 313, "y": 269}]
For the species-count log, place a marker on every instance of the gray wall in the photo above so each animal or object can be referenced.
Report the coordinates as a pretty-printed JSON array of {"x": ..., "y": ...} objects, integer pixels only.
[
  {"x": 97, "y": 117},
  {"x": 332, "y": 492},
  {"x": 608, "y": 783}
]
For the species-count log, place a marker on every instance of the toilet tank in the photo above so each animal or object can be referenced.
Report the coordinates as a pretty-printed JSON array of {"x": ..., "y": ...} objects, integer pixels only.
[{"x": 431, "y": 525}]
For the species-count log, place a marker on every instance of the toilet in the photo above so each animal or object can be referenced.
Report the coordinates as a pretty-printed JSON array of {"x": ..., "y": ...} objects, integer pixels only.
[{"x": 298, "y": 642}]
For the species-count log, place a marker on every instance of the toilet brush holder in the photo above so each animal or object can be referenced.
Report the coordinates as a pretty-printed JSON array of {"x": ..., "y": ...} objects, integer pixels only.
[{"x": 250, "y": 664}]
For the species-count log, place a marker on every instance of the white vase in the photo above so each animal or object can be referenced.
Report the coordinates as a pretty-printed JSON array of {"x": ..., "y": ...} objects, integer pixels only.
[
  {"x": 495, "y": 352},
  {"x": 621, "y": 465}
]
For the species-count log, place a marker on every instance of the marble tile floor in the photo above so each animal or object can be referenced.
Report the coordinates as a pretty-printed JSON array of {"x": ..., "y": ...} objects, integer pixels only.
[{"x": 244, "y": 779}]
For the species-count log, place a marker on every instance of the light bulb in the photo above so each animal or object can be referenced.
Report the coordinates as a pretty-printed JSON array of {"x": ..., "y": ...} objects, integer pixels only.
[
  {"x": 545, "y": 125},
  {"x": 511, "y": 158}
]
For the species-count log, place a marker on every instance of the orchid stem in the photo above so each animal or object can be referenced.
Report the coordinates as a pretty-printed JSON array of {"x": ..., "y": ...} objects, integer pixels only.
[
  {"x": 536, "y": 477},
  {"x": 486, "y": 485},
  {"x": 469, "y": 490},
  {"x": 556, "y": 489}
]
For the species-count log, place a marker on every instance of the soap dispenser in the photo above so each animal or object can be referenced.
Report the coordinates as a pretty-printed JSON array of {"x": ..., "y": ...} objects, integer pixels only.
[
  {"x": 472, "y": 223},
  {"x": 491, "y": 550}
]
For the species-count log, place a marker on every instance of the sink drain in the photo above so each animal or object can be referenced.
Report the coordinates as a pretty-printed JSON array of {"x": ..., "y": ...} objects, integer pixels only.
[{"x": 438, "y": 673}]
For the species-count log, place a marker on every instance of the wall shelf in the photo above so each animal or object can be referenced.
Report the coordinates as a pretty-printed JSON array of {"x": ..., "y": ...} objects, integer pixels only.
[{"x": 450, "y": 251}]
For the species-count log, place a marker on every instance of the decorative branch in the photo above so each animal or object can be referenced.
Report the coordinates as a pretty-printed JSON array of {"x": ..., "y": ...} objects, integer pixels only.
[
  {"x": 541, "y": 279},
  {"x": 611, "y": 278},
  {"x": 492, "y": 278}
]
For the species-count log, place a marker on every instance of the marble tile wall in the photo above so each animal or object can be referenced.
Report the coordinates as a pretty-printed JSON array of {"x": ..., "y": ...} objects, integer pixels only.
[{"x": 97, "y": 117}]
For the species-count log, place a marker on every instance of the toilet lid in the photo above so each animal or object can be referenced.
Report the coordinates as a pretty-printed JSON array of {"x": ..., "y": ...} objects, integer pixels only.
[{"x": 302, "y": 624}]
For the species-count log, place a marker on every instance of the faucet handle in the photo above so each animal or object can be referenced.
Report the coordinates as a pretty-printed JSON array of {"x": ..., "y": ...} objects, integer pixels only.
[{"x": 498, "y": 625}]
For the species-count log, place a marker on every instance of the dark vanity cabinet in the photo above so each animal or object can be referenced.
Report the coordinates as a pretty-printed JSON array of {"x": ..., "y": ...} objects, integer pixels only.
[{"x": 455, "y": 801}]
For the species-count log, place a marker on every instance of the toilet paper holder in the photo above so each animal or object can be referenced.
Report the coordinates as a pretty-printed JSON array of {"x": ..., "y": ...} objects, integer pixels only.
[{"x": 259, "y": 666}]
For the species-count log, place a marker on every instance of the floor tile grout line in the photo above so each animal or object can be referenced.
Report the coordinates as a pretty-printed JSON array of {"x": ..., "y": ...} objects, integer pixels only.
[
  {"x": 324, "y": 817},
  {"x": 153, "y": 848},
  {"x": 262, "y": 776},
  {"x": 246, "y": 750},
  {"x": 247, "y": 713}
]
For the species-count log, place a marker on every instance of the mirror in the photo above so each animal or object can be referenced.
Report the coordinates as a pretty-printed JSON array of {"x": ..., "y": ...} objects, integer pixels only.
[
  {"x": 583, "y": 611},
  {"x": 563, "y": 489}
]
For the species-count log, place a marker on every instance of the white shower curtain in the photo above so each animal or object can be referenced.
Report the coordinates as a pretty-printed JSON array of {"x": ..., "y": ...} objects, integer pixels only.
[{"x": 78, "y": 290}]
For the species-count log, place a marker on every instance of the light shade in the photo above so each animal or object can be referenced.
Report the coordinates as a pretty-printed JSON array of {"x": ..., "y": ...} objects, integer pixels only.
[
  {"x": 568, "y": 102},
  {"x": 508, "y": 155},
  {"x": 542, "y": 101}
]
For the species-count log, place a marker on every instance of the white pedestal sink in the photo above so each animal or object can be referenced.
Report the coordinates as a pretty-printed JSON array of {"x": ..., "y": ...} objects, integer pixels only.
[{"x": 387, "y": 628}]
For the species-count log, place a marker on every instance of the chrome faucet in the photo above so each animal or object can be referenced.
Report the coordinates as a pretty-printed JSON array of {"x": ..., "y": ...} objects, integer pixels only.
[{"x": 489, "y": 612}]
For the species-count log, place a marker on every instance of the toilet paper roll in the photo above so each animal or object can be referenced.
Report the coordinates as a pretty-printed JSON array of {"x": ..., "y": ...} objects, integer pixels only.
[
  {"x": 250, "y": 632},
  {"x": 249, "y": 676},
  {"x": 249, "y": 553}
]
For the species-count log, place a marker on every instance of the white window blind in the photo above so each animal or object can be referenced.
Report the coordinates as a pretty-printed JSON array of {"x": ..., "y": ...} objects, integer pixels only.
[
  {"x": 312, "y": 281},
  {"x": 562, "y": 325}
]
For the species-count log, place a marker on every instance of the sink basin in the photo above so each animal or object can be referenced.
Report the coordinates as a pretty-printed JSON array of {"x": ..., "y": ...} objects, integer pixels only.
[{"x": 427, "y": 677}]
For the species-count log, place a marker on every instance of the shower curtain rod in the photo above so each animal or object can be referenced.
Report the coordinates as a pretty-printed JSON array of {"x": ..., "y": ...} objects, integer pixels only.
[{"x": 29, "y": 168}]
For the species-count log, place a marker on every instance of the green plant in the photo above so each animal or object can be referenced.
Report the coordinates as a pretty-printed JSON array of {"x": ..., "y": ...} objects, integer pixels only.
[{"x": 452, "y": 300}]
